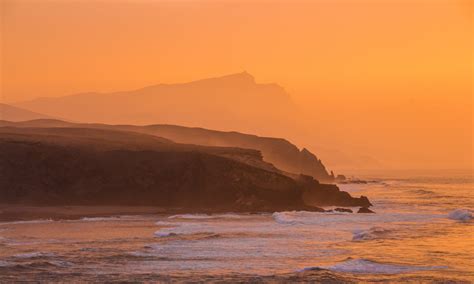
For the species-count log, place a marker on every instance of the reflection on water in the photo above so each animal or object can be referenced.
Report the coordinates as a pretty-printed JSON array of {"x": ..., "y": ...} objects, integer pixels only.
[{"x": 412, "y": 237}]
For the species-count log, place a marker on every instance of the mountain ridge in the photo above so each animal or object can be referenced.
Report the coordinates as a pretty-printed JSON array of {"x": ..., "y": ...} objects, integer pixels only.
[
  {"x": 13, "y": 113},
  {"x": 234, "y": 98},
  {"x": 277, "y": 151}
]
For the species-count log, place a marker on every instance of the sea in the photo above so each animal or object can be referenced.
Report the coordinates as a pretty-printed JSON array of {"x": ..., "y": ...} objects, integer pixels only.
[{"x": 422, "y": 232}]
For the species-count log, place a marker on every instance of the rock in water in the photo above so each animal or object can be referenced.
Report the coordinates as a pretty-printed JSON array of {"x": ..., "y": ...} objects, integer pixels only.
[
  {"x": 365, "y": 210},
  {"x": 343, "y": 210},
  {"x": 460, "y": 215}
]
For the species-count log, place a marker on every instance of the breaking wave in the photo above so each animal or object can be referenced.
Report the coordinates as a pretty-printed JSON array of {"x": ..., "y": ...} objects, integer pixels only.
[
  {"x": 292, "y": 217},
  {"x": 34, "y": 255},
  {"x": 372, "y": 267},
  {"x": 370, "y": 234},
  {"x": 185, "y": 229},
  {"x": 110, "y": 218},
  {"x": 206, "y": 216},
  {"x": 423, "y": 192},
  {"x": 5, "y": 263},
  {"x": 460, "y": 215},
  {"x": 39, "y": 221}
]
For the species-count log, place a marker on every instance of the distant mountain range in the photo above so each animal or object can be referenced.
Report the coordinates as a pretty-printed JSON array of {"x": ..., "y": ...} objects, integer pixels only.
[{"x": 232, "y": 102}]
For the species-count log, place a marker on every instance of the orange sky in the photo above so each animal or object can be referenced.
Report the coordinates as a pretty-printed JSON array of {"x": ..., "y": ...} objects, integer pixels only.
[{"x": 393, "y": 79}]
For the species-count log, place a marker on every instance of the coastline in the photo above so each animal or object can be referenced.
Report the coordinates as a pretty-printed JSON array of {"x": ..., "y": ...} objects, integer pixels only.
[
  {"x": 9, "y": 212},
  {"x": 26, "y": 213}
]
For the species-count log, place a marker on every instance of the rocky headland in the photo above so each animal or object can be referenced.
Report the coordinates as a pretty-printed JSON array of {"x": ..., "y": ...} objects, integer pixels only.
[{"x": 86, "y": 166}]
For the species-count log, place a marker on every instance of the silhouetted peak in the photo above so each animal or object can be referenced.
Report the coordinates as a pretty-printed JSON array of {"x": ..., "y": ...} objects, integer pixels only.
[
  {"x": 306, "y": 152},
  {"x": 236, "y": 78}
]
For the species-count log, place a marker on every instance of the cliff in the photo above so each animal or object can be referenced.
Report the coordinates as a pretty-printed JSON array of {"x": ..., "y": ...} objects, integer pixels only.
[
  {"x": 277, "y": 151},
  {"x": 74, "y": 166}
]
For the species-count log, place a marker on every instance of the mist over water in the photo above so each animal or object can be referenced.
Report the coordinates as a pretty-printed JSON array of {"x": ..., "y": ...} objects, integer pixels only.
[{"x": 414, "y": 235}]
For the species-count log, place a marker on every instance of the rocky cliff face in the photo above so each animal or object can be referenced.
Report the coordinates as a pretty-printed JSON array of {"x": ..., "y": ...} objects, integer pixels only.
[
  {"x": 36, "y": 173},
  {"x": 318, "y": 194},
  {"x": 277, "y": 151},
  {"x": 280, "y": 152},
  {"x": 310, "y": 165},
  {"x": 101, "y": 167}
]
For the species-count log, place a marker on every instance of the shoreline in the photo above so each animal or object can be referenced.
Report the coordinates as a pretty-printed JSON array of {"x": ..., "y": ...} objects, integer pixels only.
[
  {"x": 14, "y": 212},
  {"x": 73, "y": 212},
  {"x": 9, "y": 212}
]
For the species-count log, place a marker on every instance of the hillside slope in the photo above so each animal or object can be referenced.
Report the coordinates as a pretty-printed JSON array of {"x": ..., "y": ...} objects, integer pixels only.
[
  {"x": 12, "y": 113},
  {"x": 279, "y": 152},
  {"x": 101, "y": 167}
]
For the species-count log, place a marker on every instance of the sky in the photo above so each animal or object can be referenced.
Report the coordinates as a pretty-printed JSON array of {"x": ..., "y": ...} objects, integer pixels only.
[{"x": 390, "y": 79}]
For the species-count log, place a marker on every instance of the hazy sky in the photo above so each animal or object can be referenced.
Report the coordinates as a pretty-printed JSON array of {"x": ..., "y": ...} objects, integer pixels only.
[{"x": 393, "y": 79}]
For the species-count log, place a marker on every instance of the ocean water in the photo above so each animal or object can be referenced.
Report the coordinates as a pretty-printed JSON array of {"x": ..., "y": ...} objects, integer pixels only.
[{"x": 423, "y": 231}]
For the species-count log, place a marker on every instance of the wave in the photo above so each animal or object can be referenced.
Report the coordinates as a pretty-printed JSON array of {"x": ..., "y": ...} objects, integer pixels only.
[
  {"x": 11, "y": 266},
  {"x": 370, "y": 234},
  {"x": 292, "y": 217},
  {"x": 206, "y": 216},
  {"x": 185, "y": 229},
  {"x": 6, "y": 263},
  {"x": 60, "y": 263},
  {"x": 39, "y": 221},
  {"x": 111, "y": 218},
  {"x": 97, "y": 219},
  {"x": 165, "y": 234},
  {"x": 365, "y": 266},
  {"x": 331, "y": 219},
  {"x": 313, "y": 218},
  {"x": 423, "y": 192},
  {"x": 460, "y": 215},
  {"x": 164, "y": 223},
  {"x": 34, "y": 255}
]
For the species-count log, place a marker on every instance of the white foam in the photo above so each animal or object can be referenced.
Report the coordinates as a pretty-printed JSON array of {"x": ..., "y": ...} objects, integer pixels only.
[
  {"x": 160, "y": 233},
  {"x": 99, "y": 219},
  {"x": 372, "y": 267},
  {"x": 5, "y": 263},
  {"x": 163, "y": 223},
  {"x": 460, "y": 215},
  {"x": 39, "y": 221},
  {"x": 60, "y": 263},
  {"x": 294, "y": 217},
  {"x": 206, "y": 216},
  {"x": 330, "y": 219},
  {"x": 370, "y": 234},
  {"x": 34, "y": 255},
  {"x": 185, "y": 229}
]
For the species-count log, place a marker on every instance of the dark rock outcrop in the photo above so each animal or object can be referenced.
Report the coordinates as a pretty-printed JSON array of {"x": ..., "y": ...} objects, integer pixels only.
[
  {"x": 318, "y": 194},
  {"x": 72, "y": 166},
  {"x": 341, "y": 178},
  {"x": 38, "y": 173},
  {"x": 365, "y": 210},
  {"x": 343, "y": 210},
  {"x": 353, "y": 181}
]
